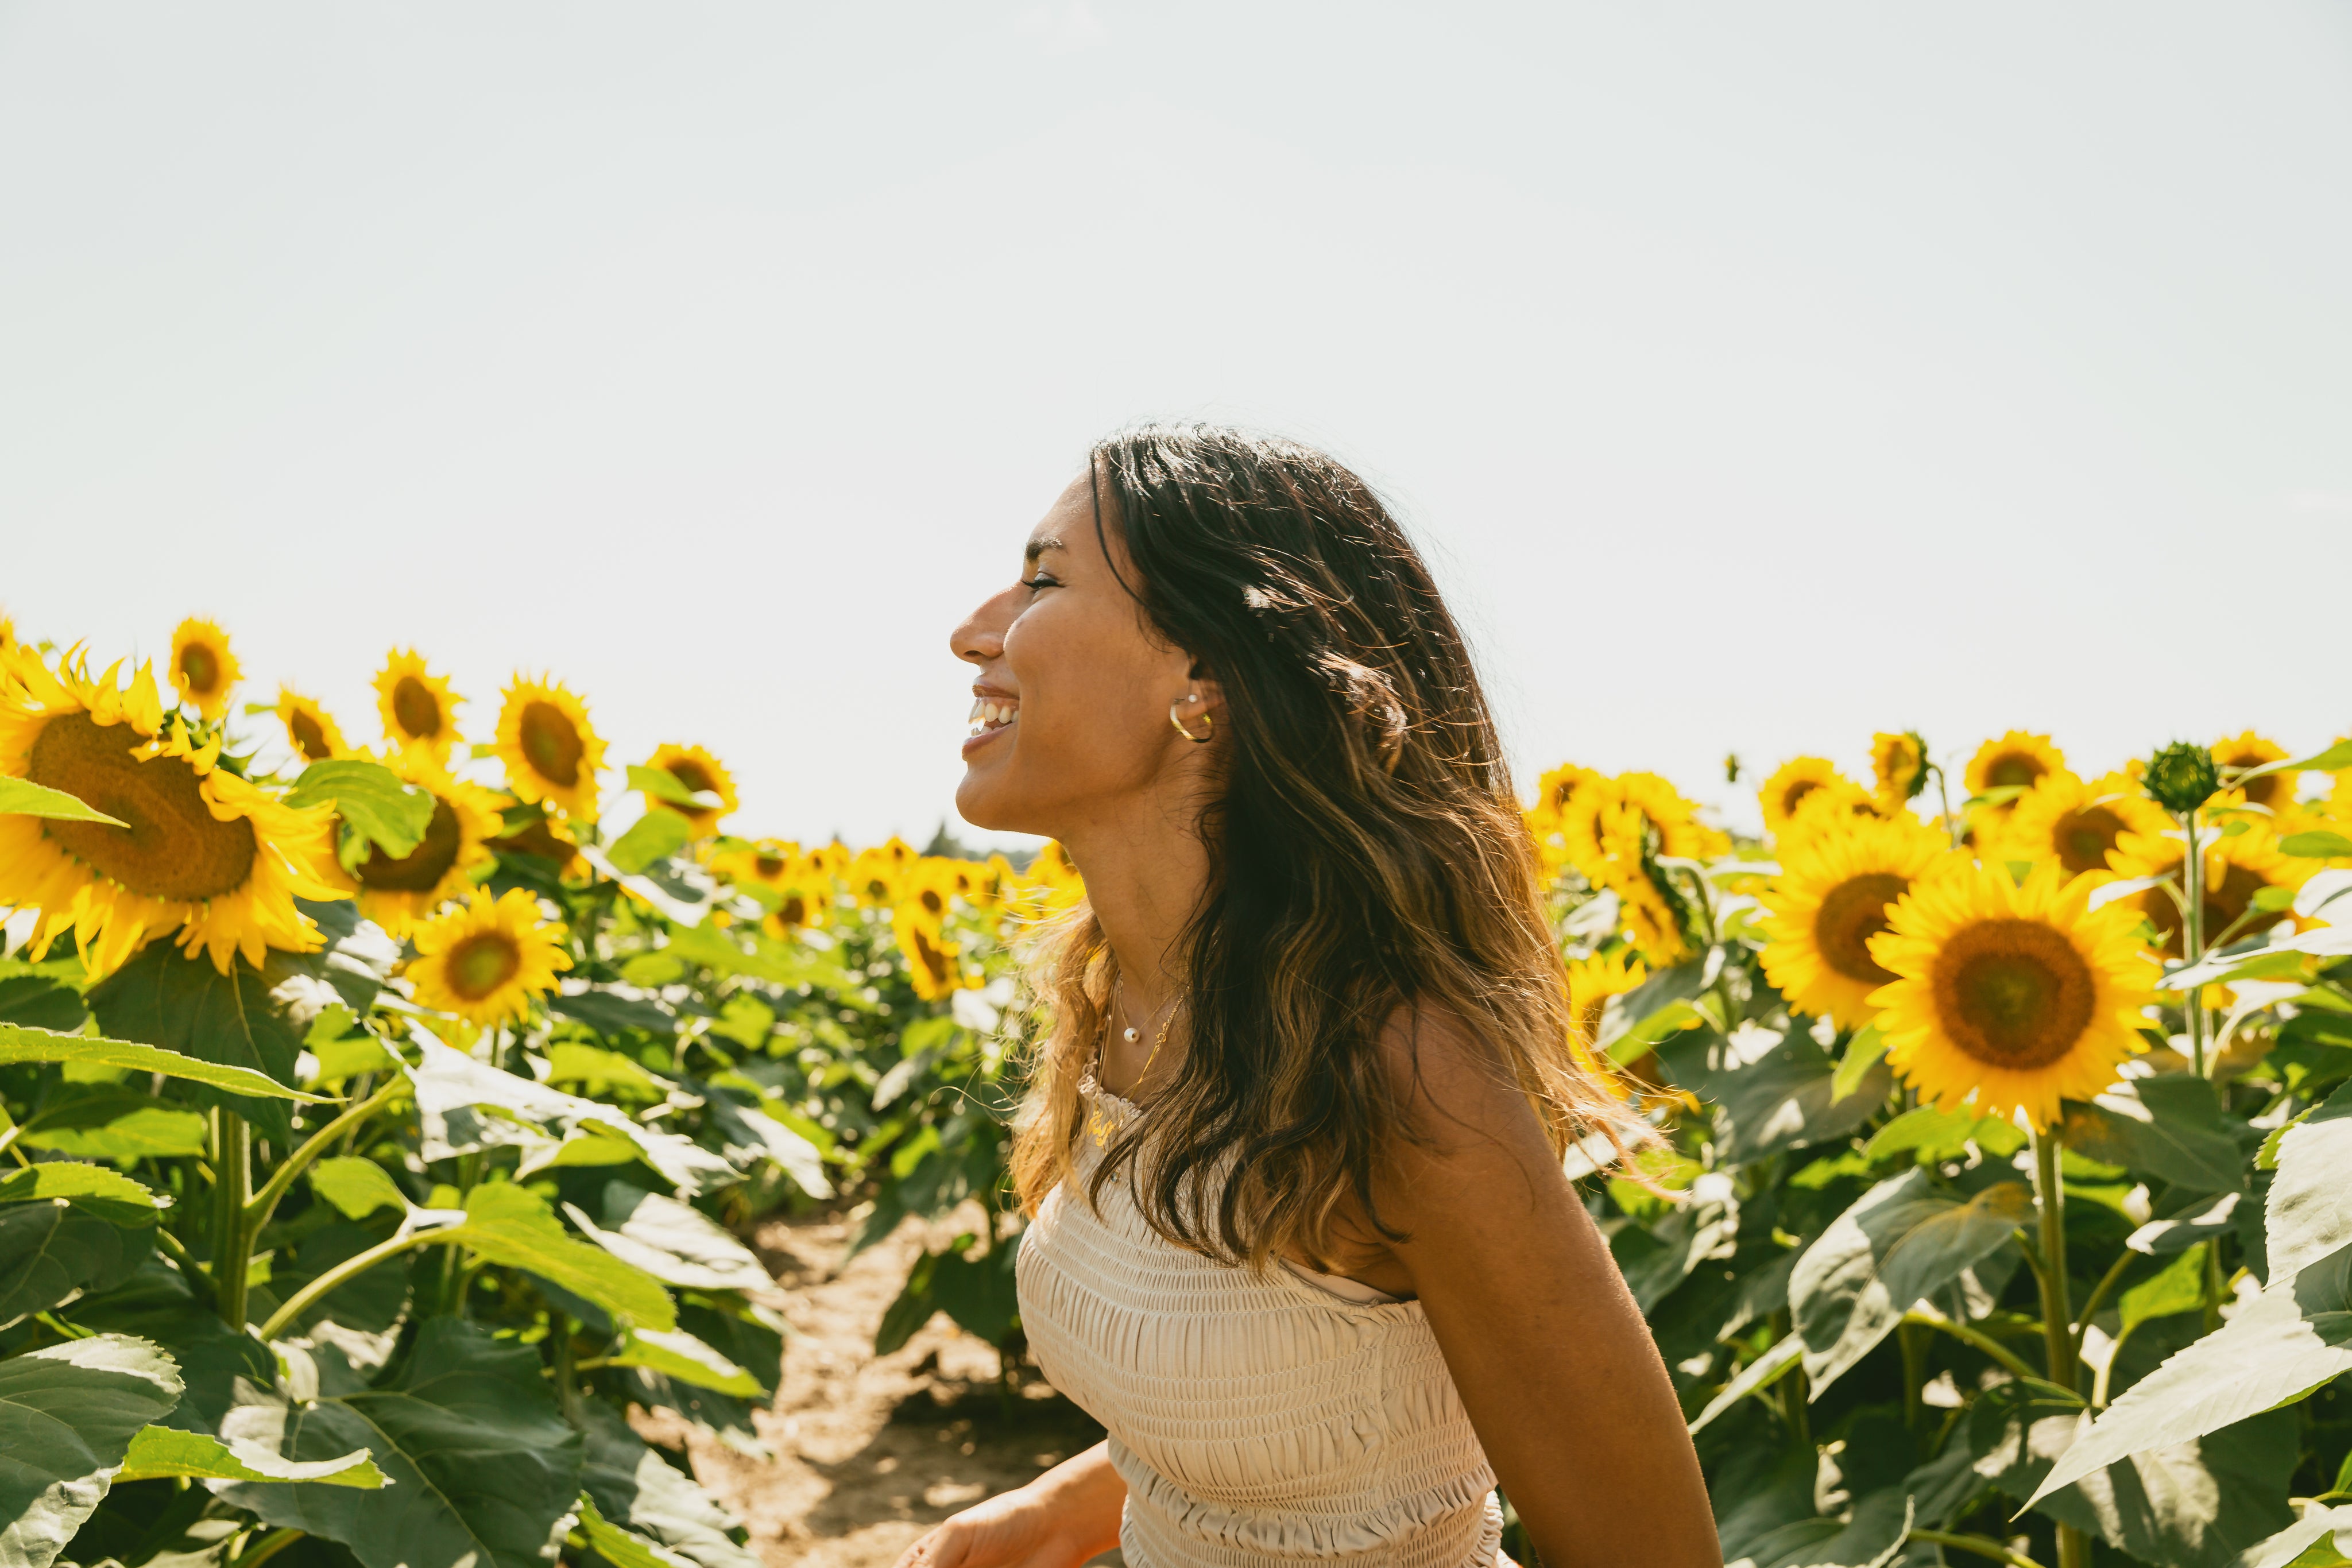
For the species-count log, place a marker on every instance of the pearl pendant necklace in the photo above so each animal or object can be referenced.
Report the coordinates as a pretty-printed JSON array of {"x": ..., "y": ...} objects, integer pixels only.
[{"x": 1131, "y": 1036}]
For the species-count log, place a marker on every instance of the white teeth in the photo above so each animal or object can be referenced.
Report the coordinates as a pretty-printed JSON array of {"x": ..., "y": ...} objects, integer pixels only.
[{"x": 987, "y": 715}]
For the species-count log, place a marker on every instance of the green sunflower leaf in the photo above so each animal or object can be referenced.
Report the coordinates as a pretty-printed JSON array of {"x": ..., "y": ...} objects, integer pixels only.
[
  {"x": 68, "y": 1415},
  {"x": 23, "y": 798},
  {"x": 159, "y": 1453},
  {"x": 372, "y": 800},
  {"x": 635, "y": 1488},
  {"x": 109, "y": 1193},
  {"x": 18, "y": 1044}
]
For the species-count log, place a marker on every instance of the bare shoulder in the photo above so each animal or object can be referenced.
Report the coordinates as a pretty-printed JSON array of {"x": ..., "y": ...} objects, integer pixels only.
[{"x": 1471, "y": 1124}]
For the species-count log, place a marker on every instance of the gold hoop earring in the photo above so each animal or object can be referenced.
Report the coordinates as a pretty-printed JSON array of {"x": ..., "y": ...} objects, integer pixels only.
[{"x": 1208, "y": 725}]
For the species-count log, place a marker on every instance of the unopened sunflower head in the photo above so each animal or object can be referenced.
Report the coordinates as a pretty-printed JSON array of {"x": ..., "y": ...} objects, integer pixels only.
[
  {"x": 2182, "y": 777},
  {"x": 203, "y": 668},
  {"x": 487, "y": 959},
  {"x": 419, "y": 711},
  {"x": 2010, "y": 998},
  {"x": 203, "y": 855},
  {"x": 1899, "y": 763}
]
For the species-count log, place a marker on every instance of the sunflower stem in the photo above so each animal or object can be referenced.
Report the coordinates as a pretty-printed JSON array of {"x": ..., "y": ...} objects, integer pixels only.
[
  {"x": 2057, "y": 1319},
  {"x": 232, "y": 1244},
  {"x": 265, "y": 1203},
  {"x": 1953, "y": 828},
  {"x": 2192, "y": 937}
]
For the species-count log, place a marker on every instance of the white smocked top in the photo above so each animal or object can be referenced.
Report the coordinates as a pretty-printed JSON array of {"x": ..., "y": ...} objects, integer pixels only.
[{"x": 1296, "y": 1418}]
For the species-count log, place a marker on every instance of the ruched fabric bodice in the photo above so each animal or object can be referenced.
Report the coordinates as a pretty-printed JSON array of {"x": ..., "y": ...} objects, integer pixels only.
[{"x": 1254, "y": 1419}]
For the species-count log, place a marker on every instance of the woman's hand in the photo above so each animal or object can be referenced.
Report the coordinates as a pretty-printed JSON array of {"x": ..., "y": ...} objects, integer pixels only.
[{"x": 1065, "y": 1517}]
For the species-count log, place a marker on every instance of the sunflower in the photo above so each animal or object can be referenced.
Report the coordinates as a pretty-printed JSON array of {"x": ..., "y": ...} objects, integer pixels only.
[
  {"x": 1613, "y": 827},
  {"x": 7, "y": 632},
  {"x": 2009, "y": 997},
  {"x": 1797, "y": 781},
  {"x": 486, "y": 960},
  {"x": 420, "y": 712},
  {"x": 1899, "y": 764},
  {"x": 400, "y": 894},
  {"x": 1831, "y": 898},
  {"x": 1554, "y": 790},
  {"x": 1050, "y": 887},
  {"x": 538, "y": 835},
  {"x": 931, "y": 967},
  {"x": 552, "y": 752},
  {"x": 2275, "y": 791},
  {"x": 771, "y": 864},
  {"x": 203, "y": 852},
  {"x": 2078, "y": 824},
  {"x": 930, "y": 887},
  {"x": 1650, "y": 918},
  {"x": 699, "y": 772},
  {"x": 805, "y": 900},
  {"x": 310, "y": 729},
  {"x": 878, "y": 876},
  {"x": 2237, "y": 869},
  {"x": 203, "y": 668},
  {"x": 2017, "y": 760},
  {"x": 1590, "y": 983}
]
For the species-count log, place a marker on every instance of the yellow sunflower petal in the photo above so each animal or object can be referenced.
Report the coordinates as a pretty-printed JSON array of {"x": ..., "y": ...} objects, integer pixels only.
[
  {"x": 203, "y": 669},
  {"x": 552, "y": 752},
  {"x": 699, "y": 772},
  {"x": 486, "y": 960},
  {"x": 420, "y": 713},
  {"x": 2010, "y": 998},
  {"x": 1830, "y": 897},
  {"x": 310, "y": 729}
]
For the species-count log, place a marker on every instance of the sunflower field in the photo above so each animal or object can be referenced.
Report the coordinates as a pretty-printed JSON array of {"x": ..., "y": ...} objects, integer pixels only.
[{"x": 379, "y": 1128}]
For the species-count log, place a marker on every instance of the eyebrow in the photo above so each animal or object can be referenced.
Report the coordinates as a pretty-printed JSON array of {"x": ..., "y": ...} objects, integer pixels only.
[{"x": 1039, "y": 547}]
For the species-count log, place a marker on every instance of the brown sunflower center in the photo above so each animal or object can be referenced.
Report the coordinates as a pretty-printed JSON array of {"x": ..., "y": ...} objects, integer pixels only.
[
  {"x": 481, "y": 963},
  {"x": 933, "y": 959},
  {"x": 2013, "y": 993},
  {"x": 693, "y": 775},
  {"x": 173, "y": 849},
  {"x": 422, "y": 868},
  {"x": 1796, "y": 792},
  {"x": 200, "y": 668},
  {"x": 769, "y": 866},
  {"x": 415, "y": 710},
  {"x": 793, "y": 910},
  {"x": 933, "y": 903},
  {"x": 2084, "y": 838},
  {"x": 1853, "y": 913},
  {"x": 551, "y": 743},
  {"x": 309, "y": 738},
  {"x": 2014, "y": 770},
  {"x": 2269, "y": 789}
]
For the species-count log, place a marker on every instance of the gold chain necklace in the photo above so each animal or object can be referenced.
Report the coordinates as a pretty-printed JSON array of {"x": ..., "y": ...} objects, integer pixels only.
[{"x": 1099, "y": 1127}]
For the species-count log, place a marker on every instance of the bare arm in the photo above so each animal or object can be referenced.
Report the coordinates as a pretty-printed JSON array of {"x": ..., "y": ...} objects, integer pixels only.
[
  {"x": 1553, "y": 1361},
  {"x": 1067, "y": 1515}
]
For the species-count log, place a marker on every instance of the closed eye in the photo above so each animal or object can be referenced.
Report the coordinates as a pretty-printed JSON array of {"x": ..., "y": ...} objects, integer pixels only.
[{"x": 1041, "y": 580}]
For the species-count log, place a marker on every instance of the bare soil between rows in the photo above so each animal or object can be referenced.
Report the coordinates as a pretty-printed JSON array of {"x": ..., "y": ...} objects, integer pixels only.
[{"x": 868, "y": 1452}]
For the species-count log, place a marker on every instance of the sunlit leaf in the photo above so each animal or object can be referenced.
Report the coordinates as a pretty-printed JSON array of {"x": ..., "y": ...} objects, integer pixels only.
[
  {"x": 161, "y": 1452},
  {"x": 356, "y": 1187},
  {"x": 633, "y": 1487},
  {"x": 18, "y": 1044},
  {"x": 673, "y": 1241},
  {"x": 656, "y": 836},
  {"x": 682, "y": 1358},
  {"x": 511, "y": 1225},
  {"x": 109, "y": 1193},
  {"x": 23, "y": 798},
  {"x": 68, "y": 1415},
  {"x": 372, "y": 800}
]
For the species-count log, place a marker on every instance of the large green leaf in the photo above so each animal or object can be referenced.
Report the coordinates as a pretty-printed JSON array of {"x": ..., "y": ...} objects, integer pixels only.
[
  {"x": 67, "y": 1417},
  {"x": 23, "y": 798},
  {"x": 164, "y": 997},
  {"x": 682, "y": 1358},
  {"x": 632, "y": 1487},
  {"x": 1772, "y": 1094},
  {"x": 161, "y": 1452},
  {"x": 1872, "y": 1538},
  {"x": 116, "y": 1125},
  {"x": 656, "y": 836},
  {"x": 2322, "y": 1538},
  {"x": 2170, "y": 1127},
  {"x": 511, "y": 1225},
  {"x": 156, "y": 1303},
  {"x": 1904, "y": 1241},
  {"x": 49, "y": 1251},
  {"x": 1654, "y": 1259},
  {"x": 2308, "y": 1213},
  {"x": 458, "y": 1102},
  {"x": 747, "y": 1134},
  {"x": 19, "y": 1044},
  {"x": 356, "y": 1187},
  {"x": 483, "y": 1469},
  {"x": 372, "y": 800},
  {"x": 673, "y": 1241},
  {"x": 977, "y": 1292},
  {"x": 109, "y": 1193},
  {"x": 41, "y": 1002},
  {"x": 2193, "y": 1505},
  {"x": 2285, "y": 1343}
]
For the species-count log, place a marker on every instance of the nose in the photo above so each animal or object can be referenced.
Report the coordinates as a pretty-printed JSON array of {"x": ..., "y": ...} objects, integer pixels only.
[{"x": 980, "y": 636}]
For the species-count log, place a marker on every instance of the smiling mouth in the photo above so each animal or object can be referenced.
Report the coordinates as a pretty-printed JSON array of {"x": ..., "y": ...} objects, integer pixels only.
[{"x": 988, "y": 715}]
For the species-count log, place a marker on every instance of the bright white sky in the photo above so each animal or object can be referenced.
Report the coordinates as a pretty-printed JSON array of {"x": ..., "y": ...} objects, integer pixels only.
[{"x": 1758, "y": 376}]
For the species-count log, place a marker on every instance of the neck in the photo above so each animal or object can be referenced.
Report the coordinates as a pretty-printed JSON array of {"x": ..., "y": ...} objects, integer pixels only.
[{"x": 1145, "y": 870}]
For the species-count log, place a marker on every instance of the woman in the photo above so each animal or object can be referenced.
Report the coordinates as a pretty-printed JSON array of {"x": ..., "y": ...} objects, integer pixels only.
[{"x": 1301, "y": 1238}]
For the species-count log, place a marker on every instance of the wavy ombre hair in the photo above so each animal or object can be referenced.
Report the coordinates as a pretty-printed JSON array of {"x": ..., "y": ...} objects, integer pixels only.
[{"x": 1367, "y": 861}]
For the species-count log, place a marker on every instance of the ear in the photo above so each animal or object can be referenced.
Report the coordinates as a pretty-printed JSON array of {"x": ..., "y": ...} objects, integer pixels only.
[{"x": 1204, "y": 684}]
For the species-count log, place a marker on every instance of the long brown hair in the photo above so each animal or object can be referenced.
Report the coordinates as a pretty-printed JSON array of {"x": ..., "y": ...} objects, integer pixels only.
[{"x": 1366, "y": 855}]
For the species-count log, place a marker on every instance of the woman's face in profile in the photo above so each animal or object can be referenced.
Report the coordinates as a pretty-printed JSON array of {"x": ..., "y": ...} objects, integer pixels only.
[{"x": 1071, "y": 689}]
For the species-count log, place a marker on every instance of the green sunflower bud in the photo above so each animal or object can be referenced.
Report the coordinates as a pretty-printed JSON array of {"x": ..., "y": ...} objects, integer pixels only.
[{"x": 2181, "y": 777}]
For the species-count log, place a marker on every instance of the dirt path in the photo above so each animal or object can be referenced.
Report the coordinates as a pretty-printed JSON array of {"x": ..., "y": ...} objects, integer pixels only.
[{"x": 871, "y": 1451}]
